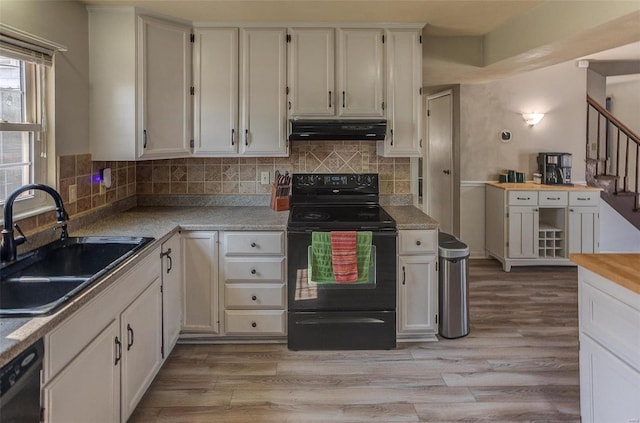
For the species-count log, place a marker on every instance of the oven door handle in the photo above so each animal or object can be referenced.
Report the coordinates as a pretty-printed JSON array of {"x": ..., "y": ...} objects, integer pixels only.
[{"x": 340, "y": 320}]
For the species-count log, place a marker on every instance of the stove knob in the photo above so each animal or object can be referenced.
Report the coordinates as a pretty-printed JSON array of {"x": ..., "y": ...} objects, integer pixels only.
[{"x": 368, "y": 180}]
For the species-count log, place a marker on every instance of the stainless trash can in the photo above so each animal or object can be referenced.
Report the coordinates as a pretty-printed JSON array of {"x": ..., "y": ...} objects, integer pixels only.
[{"x": 453, "y": 292}]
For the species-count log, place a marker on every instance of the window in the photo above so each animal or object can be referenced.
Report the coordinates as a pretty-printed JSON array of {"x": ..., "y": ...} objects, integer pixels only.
[{"x": 23, "y": 73}]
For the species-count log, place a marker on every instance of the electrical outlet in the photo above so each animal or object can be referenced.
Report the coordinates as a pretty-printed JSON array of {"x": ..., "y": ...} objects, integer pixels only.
[
  {"x": 264, "y": 178},
  {"x": 103, "y": 189},
  {"x": 73, "y": 193}
]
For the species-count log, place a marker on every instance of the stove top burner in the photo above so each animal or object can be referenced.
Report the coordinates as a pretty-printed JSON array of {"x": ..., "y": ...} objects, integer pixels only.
[
  {"x": 340, "y": 216},
  {"x": 314, "y": 215}
]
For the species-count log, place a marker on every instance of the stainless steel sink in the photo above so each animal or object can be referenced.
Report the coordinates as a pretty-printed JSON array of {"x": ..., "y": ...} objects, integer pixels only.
[{"x": 43, "y": 280}]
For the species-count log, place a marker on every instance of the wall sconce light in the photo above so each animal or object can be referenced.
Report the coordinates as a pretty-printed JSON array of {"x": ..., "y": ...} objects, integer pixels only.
[{"x": 532, "y": 119}]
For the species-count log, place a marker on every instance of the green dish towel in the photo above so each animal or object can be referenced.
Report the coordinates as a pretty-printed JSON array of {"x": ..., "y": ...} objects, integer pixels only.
[{"x": 321, "y": 265}]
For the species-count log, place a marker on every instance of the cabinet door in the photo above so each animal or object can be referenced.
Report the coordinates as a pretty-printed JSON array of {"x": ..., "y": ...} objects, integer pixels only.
[
  {"x": 523, "y": 232},
  {"x": 404, "y": 80},
  {"x": 262, "y": 92},
  {"x": 216, "y": 91},
  {"x": 584, "y": 230},
  {"x": 608, "y": 386},
  {"x": 88, "y": 389},
  {"x": 164, "y": 81},
  {"x": 360, "y": 79},
  {"x": 311, "y": 72},
  {"x": 200, "y": 292},
  {"x": 171, "y": 292},
  {"x": 141, "y": 329},
  {"x": 417, "y": 294}
]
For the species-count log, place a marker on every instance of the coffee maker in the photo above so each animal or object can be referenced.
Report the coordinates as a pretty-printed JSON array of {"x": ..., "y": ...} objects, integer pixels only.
[{"x": 555, "y": 168}]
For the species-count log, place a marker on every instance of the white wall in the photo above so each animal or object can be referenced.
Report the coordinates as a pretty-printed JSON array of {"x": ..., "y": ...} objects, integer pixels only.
[
  {"x": 625, "y": 102},
  {"x": 617, "y": 235},
  {"x": 558, "y": 91},
  {"x": 63, "y": 22}
]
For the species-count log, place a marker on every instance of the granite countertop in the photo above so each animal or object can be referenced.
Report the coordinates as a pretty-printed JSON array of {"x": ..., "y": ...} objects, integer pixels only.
[
  {"x": 160, "y": 222},
  {"x": 618, "y": 268},
  {"x": 528, "y": 186}
]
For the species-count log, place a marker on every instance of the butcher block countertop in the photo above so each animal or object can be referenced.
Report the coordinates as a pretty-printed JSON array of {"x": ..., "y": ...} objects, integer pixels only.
[
  {"x": 623, "y": 269},
  {"x": 529, "y": 186}
]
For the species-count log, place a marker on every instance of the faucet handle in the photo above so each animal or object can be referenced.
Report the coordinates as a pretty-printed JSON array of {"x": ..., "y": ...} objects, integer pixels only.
[
  {"x": 19, "y": 239},
  {"x": 64, "y": 234}
]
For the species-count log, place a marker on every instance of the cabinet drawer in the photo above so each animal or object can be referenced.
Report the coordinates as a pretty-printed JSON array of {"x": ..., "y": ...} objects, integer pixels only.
[
  {"x": 253, "y": 243},
  {"x": 417, "y": 241},
  {"x": 523, "y": 198},
  {"x": 254, "y": 269},
  {"x": 584, "y": 198},
  {"x": 250, "y": 322},
  {"x": 611, "y": 322},
  {"x": 254, "y": 295},
  {"x": 553, "y": 198}
]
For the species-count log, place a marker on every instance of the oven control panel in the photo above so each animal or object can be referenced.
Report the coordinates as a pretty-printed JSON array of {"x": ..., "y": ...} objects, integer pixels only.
[{"x": 335, "y": 180}]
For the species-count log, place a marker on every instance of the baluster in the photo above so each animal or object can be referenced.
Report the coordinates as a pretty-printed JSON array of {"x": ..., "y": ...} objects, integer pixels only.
[
  {"x": 617, "y": 164},
  {"x": 626, "y": 168}
]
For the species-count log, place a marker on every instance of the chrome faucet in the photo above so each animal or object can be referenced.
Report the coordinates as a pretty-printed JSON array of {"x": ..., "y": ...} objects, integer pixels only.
[{"x": 9, "y": 244}]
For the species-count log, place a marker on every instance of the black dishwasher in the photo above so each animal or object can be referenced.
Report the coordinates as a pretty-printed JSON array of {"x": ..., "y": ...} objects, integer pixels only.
[{"x": 20, "y": 386}]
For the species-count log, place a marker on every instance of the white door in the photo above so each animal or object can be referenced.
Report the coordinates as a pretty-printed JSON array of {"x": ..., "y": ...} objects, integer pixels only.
[
  {"x": 584, "y": 227},
  {"x": 438, "y": 164},
  {"x": 200, "y": 280},
  {"x": 263, "y": 64},
  {"x": 523, "y": 232},
  {"x": 141, "y": 329},
  {"x": 360, "y": 64},
  {"x": 165, "y": 75},
  {"x": 171, "y": 292},
  {"x": 88, "y": 389},
  {"x": 216, "y": 91},
  {"x": 311, "y": 72},
  {"x": 417, "y": 294}
]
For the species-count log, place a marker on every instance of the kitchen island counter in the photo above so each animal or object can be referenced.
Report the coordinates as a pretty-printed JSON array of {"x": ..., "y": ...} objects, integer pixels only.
[{"x": 621, "y": 269}]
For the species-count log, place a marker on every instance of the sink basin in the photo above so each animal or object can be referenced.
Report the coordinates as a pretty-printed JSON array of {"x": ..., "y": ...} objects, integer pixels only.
[{"x": 43, "y": 280}]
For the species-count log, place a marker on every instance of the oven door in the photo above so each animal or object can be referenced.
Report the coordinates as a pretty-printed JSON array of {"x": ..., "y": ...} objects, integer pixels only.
[{"x": 377, "y": 293}]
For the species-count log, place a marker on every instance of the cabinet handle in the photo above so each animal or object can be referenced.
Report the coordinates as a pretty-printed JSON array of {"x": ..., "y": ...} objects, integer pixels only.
[
  {"x": 254, "y": 324},
  {"x": 523, "y": 198},
  {"x": 144, "y": 138},
  {"x": 118, "y": 351},
  {"x": 289, "y": 105},
  {"x": 553, "y": 198},
  {"x": 391, "y": 130},
  {"x": 404, "y": 276},
  {"x": 571, "y": 210},
  {"x": 418, "y": 242},
  {"x": 535, "y": 210},
  {"x": 446, "y": 172},
  {"x": 233, "y": 132},
  {"x": 344, "y": 99},
  {"x": 329, "y": 99},
  {"x": 583, "y": 198},
  {"x": 254, "y": 245},
  {"x": 246, "y": 137},
  {"x": 170, "y": 260},
  {"x": 129, "y": 337},
  {"x": 253, "y": 298},
  {"x": 253, "y": 271}
]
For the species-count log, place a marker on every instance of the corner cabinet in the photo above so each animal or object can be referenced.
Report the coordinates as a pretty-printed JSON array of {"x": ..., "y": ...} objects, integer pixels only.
[
  {"x": 115, "y": 339},
  {"x": 404, "y": 94},
  {"x": 529, "y": 225},
  {"x": 240, "y": 100},
  {"x": 417, "y": 285},
  {"x": 609, "y": 349},
  {"x": 140, "y": 77}
]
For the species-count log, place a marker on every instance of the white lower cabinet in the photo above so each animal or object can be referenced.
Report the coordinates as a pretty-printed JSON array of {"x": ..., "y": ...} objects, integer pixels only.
[
  {"x": 417, "y": 284},
  {"x": 200, "y": 264},
  {"x": 584, "y": 230},
  {"x": 100, "y": 361},
  {"x": 171, "y": 292}
]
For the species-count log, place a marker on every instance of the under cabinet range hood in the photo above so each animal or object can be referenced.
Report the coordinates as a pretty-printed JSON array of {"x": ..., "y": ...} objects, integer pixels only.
[{"x": 338, "y": 130}]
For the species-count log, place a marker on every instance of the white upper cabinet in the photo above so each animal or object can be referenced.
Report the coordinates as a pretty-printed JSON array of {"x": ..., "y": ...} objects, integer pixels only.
[
  {"x": 140, "y": 76},
  {"x": 240, "y": 92},
  {"x": 216, "y": 91},
  {"x": 311, "y": 72},
  {"x": 404, "y": 99},
  {"x": 263, "y": 124},
  {"x": 360, "y": 74}
]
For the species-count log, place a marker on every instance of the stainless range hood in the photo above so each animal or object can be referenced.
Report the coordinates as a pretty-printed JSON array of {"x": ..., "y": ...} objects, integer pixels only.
[{"x": 338, "y": 130}]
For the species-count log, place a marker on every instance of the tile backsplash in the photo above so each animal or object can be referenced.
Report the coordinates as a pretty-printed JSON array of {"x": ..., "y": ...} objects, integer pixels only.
[{"x": 242, "y": 175}]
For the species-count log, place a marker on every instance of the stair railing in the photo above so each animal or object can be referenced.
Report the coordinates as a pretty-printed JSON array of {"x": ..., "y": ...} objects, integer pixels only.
[{"x": 625, "y": 147}]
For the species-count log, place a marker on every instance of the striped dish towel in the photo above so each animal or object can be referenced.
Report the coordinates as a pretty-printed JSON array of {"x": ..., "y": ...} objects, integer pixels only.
[{"x": 344, "y": 255}]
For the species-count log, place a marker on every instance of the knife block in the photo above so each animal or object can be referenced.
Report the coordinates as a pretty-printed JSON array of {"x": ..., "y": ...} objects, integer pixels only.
[{"x": 278, "y": 203}]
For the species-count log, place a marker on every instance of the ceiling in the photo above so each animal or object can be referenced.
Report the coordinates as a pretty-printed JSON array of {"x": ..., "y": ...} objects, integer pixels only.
[{"x": 444, "y": 17}]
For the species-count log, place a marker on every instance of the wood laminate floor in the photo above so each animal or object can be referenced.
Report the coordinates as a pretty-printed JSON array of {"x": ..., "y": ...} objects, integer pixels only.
[{"x": 519, "y": 363}]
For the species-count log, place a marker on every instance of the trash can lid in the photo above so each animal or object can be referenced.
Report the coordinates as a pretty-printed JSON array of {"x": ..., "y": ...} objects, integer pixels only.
[
  {"x": 445, "y": 237},
  {"x": 453, "y": 249}
]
